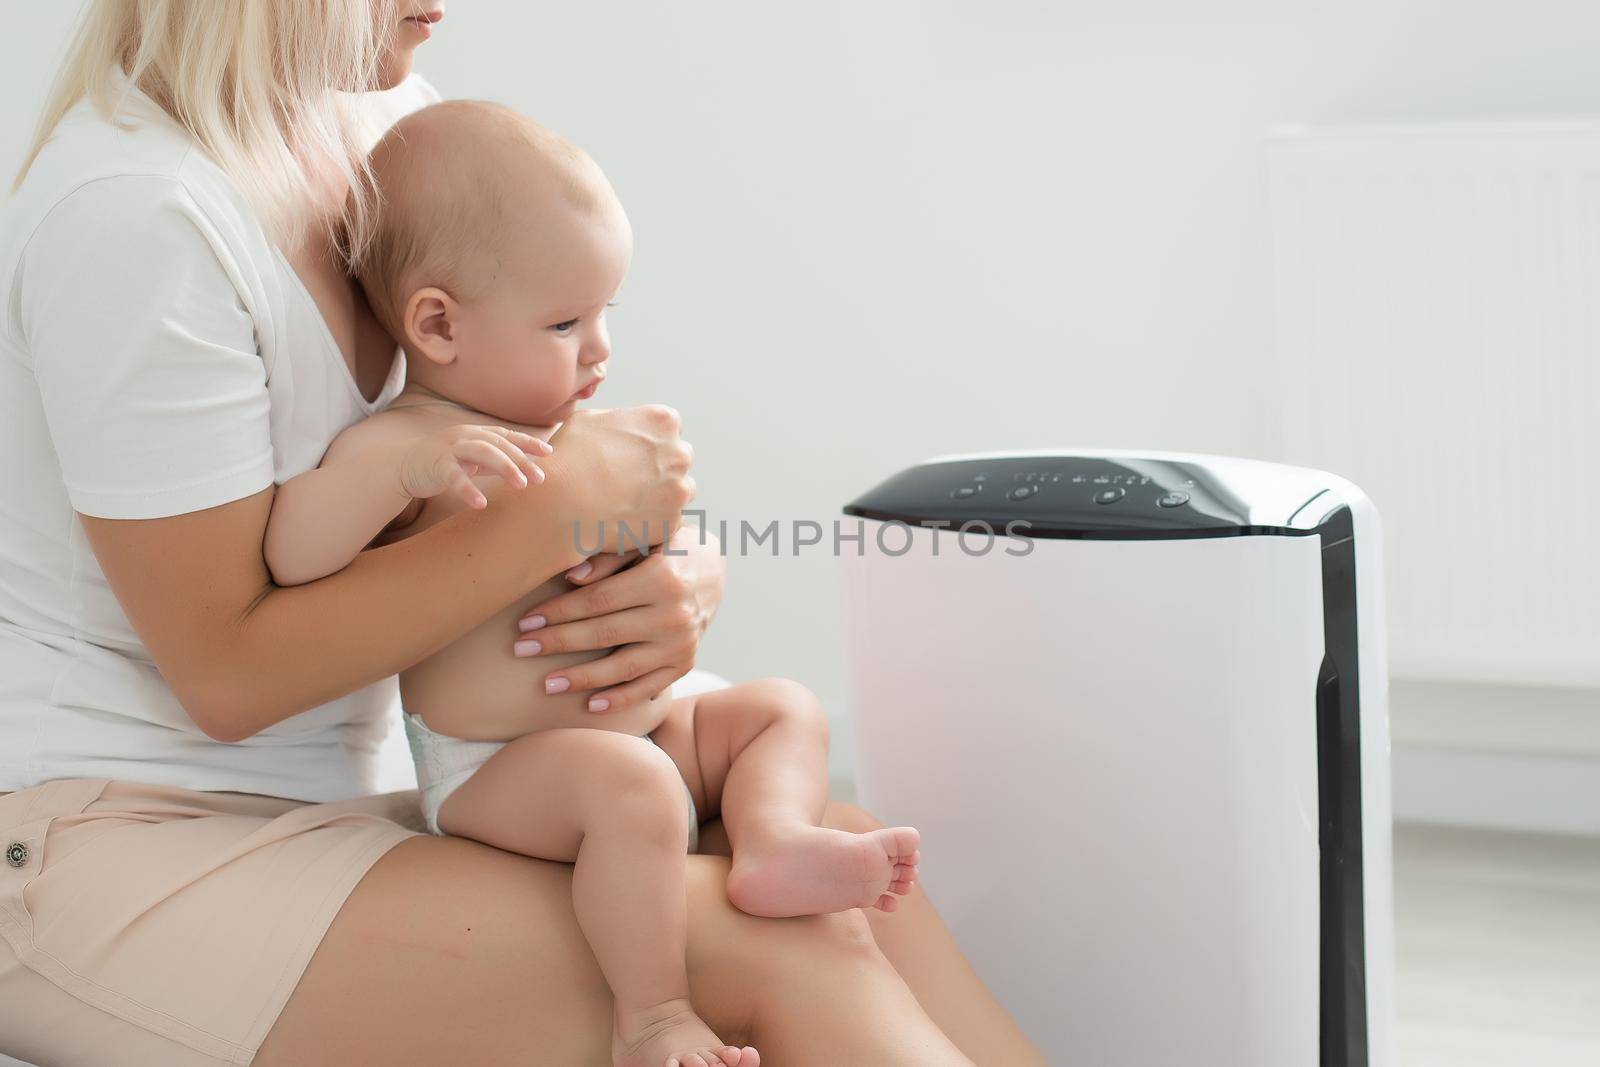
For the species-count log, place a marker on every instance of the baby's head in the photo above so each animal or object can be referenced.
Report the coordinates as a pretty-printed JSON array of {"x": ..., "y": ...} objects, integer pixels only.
[{"x": 497, "y": 247}]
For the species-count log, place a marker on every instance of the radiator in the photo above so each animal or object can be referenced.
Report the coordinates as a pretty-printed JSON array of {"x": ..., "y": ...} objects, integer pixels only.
[{"x": 1436, "y": 326}]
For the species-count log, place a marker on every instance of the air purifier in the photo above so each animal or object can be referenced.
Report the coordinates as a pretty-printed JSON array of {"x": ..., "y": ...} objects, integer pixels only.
[{"x": 1137, "y": 705}]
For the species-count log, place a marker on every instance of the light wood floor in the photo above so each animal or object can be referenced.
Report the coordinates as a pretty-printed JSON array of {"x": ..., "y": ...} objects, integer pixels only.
[{"x": 1497, "y": 949}]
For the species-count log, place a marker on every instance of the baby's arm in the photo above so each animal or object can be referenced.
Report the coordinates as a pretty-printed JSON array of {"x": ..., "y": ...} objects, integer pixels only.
[{"x": 322, "y": 519}]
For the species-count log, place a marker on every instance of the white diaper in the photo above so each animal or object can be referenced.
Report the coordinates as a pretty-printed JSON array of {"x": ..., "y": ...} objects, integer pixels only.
[{"x": 444, "y": 762}]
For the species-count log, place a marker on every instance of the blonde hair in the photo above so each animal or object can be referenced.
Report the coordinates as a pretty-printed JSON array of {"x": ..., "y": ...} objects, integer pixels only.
[{"x": 256, "y": 82}]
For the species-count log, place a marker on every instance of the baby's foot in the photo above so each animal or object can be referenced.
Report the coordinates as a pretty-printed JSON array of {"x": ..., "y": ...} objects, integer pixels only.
[
  {"x": 672, "y": 1035},
  {"x": 815, "y": 870}
]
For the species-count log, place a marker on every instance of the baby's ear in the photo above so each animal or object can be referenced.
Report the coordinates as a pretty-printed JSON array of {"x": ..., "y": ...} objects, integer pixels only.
[{"x": 430, "y": 322}]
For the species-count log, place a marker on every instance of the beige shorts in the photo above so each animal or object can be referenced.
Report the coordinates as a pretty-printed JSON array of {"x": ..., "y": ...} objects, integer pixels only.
[{"x": 148, "y": 925}]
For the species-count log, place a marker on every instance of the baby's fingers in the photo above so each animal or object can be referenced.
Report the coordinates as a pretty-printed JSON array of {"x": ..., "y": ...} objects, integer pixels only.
[
  {"x": 462, "y": 487},
  {"x": 530, "y": 444},
  {"x": 507, "y": 441},
  {"x": 493, "y": 458}
]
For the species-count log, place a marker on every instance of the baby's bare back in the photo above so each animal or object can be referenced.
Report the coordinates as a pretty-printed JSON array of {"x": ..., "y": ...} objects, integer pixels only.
[{"x": 476, "y": 688}]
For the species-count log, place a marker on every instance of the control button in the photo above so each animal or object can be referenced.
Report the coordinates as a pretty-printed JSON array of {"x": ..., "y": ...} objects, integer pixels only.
[
  {"x": 980, "y": 477},
  {"x": 1022, "y": 492},
  {"x": 17, "y": 854},
  {"x": 964, "y": 491},
  {"x": 1110, "y": 496},
  {"x": 1174, "y": 499}
]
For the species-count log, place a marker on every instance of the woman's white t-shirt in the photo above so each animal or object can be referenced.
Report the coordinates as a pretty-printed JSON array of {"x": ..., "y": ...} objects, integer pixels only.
[{"x": 158, "y": 356}]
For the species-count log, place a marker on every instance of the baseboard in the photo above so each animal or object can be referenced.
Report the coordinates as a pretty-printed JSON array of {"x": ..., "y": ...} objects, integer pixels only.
[
  {"x": 1498, "y": 790},
  {"x": 1480, "y": 717},
  {"x": 1506, "y": 757}
]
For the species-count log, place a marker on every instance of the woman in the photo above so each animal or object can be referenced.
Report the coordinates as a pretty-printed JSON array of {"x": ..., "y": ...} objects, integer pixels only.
[{"x": 194, "y": 873}]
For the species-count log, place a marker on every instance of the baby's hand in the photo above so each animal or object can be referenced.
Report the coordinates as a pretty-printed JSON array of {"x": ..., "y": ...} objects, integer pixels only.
[{"x": 446, "y": 461}]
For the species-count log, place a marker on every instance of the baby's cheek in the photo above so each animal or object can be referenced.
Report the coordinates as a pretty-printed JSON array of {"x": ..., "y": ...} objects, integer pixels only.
[
  {"x": 537, "y": 386},
  {"x": 511, "y": 394}
]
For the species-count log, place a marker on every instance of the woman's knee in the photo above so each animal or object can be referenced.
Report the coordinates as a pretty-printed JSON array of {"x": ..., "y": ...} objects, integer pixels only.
[
  {"x": 846, "y": 933},
  {"x": 745, "y": 971},
  {"x": 788, "y": 949},
  {"x": 798, "y": 958}
]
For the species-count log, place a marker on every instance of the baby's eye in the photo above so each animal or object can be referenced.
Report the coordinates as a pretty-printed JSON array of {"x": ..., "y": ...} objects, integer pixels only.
[{"x": 565, "y": 327}]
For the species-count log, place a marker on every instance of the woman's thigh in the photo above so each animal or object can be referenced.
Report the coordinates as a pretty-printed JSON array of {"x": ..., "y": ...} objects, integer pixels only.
[{"x": 450, "y": 951}]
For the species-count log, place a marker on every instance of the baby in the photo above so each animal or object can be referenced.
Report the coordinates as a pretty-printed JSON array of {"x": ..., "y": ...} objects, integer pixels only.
[{"x": 499, "y": 248}]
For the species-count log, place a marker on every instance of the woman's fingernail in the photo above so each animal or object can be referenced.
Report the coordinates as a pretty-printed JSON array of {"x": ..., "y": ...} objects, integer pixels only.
[
  {"x": 556, "y": 685},
  {"x": 580, "y": 572},
  {"x": 528, "y": 647},
  {"x": 532, "y": 622},
  {"x": 599, "y": 704}
]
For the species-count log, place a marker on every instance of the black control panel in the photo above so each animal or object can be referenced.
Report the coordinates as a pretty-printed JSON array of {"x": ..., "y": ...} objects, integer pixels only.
[{"x": 1069, "y": 496}]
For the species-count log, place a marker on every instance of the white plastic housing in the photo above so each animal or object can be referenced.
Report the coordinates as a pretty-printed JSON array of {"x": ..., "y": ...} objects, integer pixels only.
[{"x": 1110, "y": 748}]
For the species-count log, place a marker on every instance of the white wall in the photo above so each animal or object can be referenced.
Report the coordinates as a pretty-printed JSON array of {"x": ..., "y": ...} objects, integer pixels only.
[{"x": 873, "y": 230}]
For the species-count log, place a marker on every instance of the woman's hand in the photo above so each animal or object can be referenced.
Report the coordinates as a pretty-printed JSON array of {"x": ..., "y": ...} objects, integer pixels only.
[
  {"x": 650, "y": 610},
  {"x": 623, "y": 475}
]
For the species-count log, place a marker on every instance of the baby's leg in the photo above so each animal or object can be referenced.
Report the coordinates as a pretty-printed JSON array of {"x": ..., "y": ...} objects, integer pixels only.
[
  {"x": 612, "y": 805},
  {"x": 758, "y": 752}
]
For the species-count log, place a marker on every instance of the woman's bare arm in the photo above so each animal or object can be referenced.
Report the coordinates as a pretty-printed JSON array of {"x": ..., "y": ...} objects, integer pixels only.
[{"x": 242, "y": 654}]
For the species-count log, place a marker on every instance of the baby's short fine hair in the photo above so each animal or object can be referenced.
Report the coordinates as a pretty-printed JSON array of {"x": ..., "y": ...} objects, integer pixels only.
[{"x": 446, "y": 177}]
